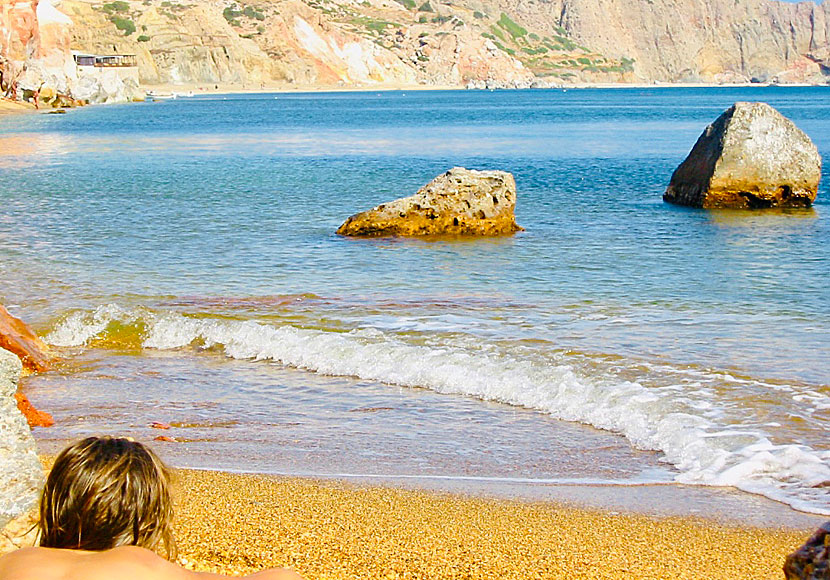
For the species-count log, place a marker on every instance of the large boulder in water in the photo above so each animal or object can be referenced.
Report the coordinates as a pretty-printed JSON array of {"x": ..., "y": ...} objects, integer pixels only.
[
  {"x": 812, "y": 560},
  {"x": 18, "y": 338},
  {"x": 750, "y": 157},
  {"x": 19, "y": 464},
  {"x": 458, "y": 202}
]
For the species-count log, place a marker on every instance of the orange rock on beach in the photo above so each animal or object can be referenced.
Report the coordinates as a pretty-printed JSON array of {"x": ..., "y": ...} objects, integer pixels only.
[
  {"x": 34, "y": 417},
  {"x": 17, "y": 337}
]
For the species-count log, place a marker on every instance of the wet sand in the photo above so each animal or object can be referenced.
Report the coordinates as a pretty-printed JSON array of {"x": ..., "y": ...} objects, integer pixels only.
[
  {"x": 330, "y": 530},
  {"x": 8, "y": 107}
]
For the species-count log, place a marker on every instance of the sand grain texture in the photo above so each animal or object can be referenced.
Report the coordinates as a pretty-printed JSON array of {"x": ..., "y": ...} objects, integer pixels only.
[{"x": 327, "y": 530}]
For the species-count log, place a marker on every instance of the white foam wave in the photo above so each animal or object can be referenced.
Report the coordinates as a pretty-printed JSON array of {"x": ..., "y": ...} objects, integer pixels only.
[
  {"x": 678, "y": 421},
  {"x": 80, "y": 327}
]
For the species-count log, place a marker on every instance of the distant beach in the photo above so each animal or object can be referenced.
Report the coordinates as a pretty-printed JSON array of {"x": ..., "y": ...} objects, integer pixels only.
[
  {"x": 7, "y": 106},
  {"x": 209, "y": 89}
]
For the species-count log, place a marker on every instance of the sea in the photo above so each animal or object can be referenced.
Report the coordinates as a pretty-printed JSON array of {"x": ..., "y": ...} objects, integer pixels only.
[{"x": 181, "y": 257}]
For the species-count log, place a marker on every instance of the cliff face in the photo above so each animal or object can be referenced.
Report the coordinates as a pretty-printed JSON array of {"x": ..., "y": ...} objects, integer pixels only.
[
  {"x": 34, "y": 43},
  {"x": 19, "y": 40},
  {"x": 35, "y": 51},
  {"x": 18, "y": 29},
  {"x": 294, "y": 42},
  {"x": 696, "y": 40},
  {"x": 513, "y": 43},
  {"x": 469, "y": 42}
]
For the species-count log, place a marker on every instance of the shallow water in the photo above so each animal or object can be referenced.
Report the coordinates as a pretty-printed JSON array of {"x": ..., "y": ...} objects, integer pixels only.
[{"x": 183, "y": 255}]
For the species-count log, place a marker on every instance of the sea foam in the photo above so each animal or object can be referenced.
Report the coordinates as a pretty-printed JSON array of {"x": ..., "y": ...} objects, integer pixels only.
[{"x": 704, "y": 436}]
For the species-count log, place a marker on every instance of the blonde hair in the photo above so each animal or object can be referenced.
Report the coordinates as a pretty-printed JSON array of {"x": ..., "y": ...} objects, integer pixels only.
[{"x": 105, "y": 492}]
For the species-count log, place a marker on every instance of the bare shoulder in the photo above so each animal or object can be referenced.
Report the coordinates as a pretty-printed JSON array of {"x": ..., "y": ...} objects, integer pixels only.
[
  {"x": 55, "y": 564},
  {"x": 29, "y": 563},
  {"x": 139, "y": 563},
  {"x": 130, "y": 562},
  {"x": 132, "y": 558}
]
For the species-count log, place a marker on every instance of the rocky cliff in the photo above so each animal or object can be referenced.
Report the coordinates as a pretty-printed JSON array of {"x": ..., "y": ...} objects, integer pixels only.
[
  {"x": 36, "y": 41},
  {"x": 694, "y": 40},
  {"x": 481, "y": 43}
]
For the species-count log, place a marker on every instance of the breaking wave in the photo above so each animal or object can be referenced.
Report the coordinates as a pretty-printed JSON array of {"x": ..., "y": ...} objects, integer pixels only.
[{"x": 705, "y": 437}]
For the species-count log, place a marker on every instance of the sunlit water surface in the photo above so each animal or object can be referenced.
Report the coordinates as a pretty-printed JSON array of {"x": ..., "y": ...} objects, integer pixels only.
[{"x": 182, "y": 255}]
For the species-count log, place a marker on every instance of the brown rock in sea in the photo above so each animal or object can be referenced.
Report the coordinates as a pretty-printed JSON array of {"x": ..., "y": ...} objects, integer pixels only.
[
  {"x": 16, "y": 337},
  {"x": 458, "y": 202},
  {"x": 812, "y": 560},
  {"x": 750, "y": 157}
]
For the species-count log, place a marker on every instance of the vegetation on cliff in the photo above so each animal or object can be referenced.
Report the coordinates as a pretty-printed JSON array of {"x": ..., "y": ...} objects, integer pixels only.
[{"x": 478, "y": 43}]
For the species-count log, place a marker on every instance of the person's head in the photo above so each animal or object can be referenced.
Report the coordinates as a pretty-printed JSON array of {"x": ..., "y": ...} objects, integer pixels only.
[{"x": 105, "y": 492}]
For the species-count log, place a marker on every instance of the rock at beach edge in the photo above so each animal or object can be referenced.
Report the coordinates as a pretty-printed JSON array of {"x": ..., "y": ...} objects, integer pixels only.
[
  {"x": 459, "y": 202},
  {"x": 17, "y": 337},
  {"x": 750, "y": 157},
  {"x": 812, "y": 560},
  {"x": 19, "y": 463}
]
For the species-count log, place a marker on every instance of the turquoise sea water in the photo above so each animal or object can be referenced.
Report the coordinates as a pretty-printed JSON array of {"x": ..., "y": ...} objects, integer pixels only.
[{"x": 182, "y": 256}]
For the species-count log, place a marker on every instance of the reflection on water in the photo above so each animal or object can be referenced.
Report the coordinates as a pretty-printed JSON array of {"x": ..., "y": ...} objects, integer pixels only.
[
  {"x": 20, "y": 151},
  {"x": 493, "y": 142},
  {"x": 780, "y": 219}
]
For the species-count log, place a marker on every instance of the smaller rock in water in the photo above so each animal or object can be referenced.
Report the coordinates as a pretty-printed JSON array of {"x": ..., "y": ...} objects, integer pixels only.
[
  {"x": 458, "y": 202},
  {"x": 750, "y": 157},
  {"x": 812, "y": 560}
]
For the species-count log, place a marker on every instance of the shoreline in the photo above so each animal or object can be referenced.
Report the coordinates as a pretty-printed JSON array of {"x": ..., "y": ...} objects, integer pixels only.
[
  {"x": 9, "y": 107},
  {"x": 726, "y": 506},
  {"x": 333, "y": 530},
  {"x": 239, "y": 523},
  {"x": 202, "y": 89},
  {"x": 188, "y": 90}
]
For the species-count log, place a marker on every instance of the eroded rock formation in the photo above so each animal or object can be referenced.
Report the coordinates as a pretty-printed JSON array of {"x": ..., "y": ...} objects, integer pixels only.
[
  {"x": 18, "y": 30},
  {"x": 750, "y": 157},
  {"x": 36, "y": 42},
  {"x": 458, "y": 202},
  {"x": 19, "y": 464}
]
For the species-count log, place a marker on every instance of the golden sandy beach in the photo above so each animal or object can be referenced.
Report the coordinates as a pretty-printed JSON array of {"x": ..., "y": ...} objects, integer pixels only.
[{"x": 327, "y": 530}]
